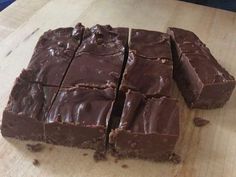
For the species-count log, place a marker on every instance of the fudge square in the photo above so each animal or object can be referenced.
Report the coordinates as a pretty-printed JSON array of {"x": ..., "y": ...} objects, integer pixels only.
[
  {"x": 79, "y": 117},
  {"x": 203, "y": 82},
  {"x": 150, "y": 44},
  {"x": 26, "y": 111},
  {"x": 99, "y": 60},
  {"x": 148, "y": 129},
  {"x": 150, "y": 77},
  {"x": 52, "y": 55}
]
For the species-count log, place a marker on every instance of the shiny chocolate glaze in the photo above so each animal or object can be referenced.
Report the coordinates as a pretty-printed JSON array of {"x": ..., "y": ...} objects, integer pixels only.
[{"x": 52, "y": 55}]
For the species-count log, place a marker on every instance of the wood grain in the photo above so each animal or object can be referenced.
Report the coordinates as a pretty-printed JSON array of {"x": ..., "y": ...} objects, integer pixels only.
[
  {"x": 18, "y": 13},
  {"x": 206, "y": 152}
]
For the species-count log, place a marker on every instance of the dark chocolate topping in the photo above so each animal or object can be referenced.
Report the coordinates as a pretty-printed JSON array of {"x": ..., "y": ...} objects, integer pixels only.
[
  {"x": 82, "y": 106},
  {"x": 150, "y": 44}
]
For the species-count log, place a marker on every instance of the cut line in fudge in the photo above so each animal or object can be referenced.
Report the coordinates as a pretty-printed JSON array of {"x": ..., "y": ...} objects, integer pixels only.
[
  {"x": 52, "y": 55},
  {"x": 149, "y": 67},
  {"x": 203, "y": 82},
  {"x": 99, "y": 60},
  {"x": 91, "y": 142}
]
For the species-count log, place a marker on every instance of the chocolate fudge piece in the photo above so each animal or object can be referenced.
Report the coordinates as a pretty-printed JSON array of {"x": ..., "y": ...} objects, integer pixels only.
[
  {"x": 94, "y": 71},
  {"x": 150, "y": 77},
  {"x": 148, "y": 129},
  {"x": 28, "y": 105},
  {"x": 99, "y": 60},
  {"x": 79, "y": 117},
  {"x": 150, "y": 44},
  {"x": 52, "y": 55},
  {"x": 204, "y": 83}
]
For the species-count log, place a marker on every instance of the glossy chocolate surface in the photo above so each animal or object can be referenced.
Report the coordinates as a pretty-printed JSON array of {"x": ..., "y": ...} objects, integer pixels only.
[
  {"x": 154, "y": 115},
  {"x": 150, "y": 44},
  {"x": 82, "y": 106},
  {"x": 150, "y": 77},
  {"x": 94, "y": 71},
  {"x": 79, "y": 117},
  {"x": 104, "y": 40},
  {"x": 204, "y": 83},
  {"x": 99, "y": 60},
  {"x": 149, "y": 128},
  {"x": 27, "y": 109},
  {"x": 52, "y": 55}
]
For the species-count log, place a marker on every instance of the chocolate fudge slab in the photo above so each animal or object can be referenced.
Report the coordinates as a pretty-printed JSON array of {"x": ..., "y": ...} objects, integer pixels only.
[
  {"x": 52, "y": 55},
  {"x": 79, "y": 117},
  {"x": 150, "y": 44},
  {"x": 99, "y": 60},
  {"x": 203, "y": 82},
  {"x": 28, "y": 105},
  {"x": 148, "y": 129},
  {"x": 150, "y": 77}
]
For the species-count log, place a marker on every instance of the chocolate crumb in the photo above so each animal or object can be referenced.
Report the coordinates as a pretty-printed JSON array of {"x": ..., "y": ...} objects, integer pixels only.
[
  {"x": 35, "y": 147},
  {"x": 200, "y": 122},
  {"x": 116, "y": 160},
  {"x": 85, "y": 154},
  {"x": 50, "y": 148},
  {"x": 175, "y": 158},
  {"x": 99, "y": 156},
  {"x": 36, "y": 162},
  {"x": 114, "y": 153},
  {"x": 124, "y": 166}
]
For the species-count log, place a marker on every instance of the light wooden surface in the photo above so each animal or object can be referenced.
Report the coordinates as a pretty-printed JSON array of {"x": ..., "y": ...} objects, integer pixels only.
[
  {"x": 206, "y": 152},
  {"x": 18, "y": 13}
]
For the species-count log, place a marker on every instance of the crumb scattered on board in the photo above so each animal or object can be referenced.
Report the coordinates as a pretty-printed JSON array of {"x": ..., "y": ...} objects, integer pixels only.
[
  {"x": 175, "y": 158},
  {"x": 36, "y": 162},
  {"x": 116, "y": 160},
  {"x": 85, "y": 154},
  {"x": 35, "y": 147},
  {"x": 99, "y": 156},
  {"x": 124, "y": 166},
  {"x": 200, "y": 122}
]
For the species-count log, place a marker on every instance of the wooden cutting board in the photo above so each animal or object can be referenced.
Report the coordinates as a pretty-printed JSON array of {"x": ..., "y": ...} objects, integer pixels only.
[{"x": 206, "y": 152}]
